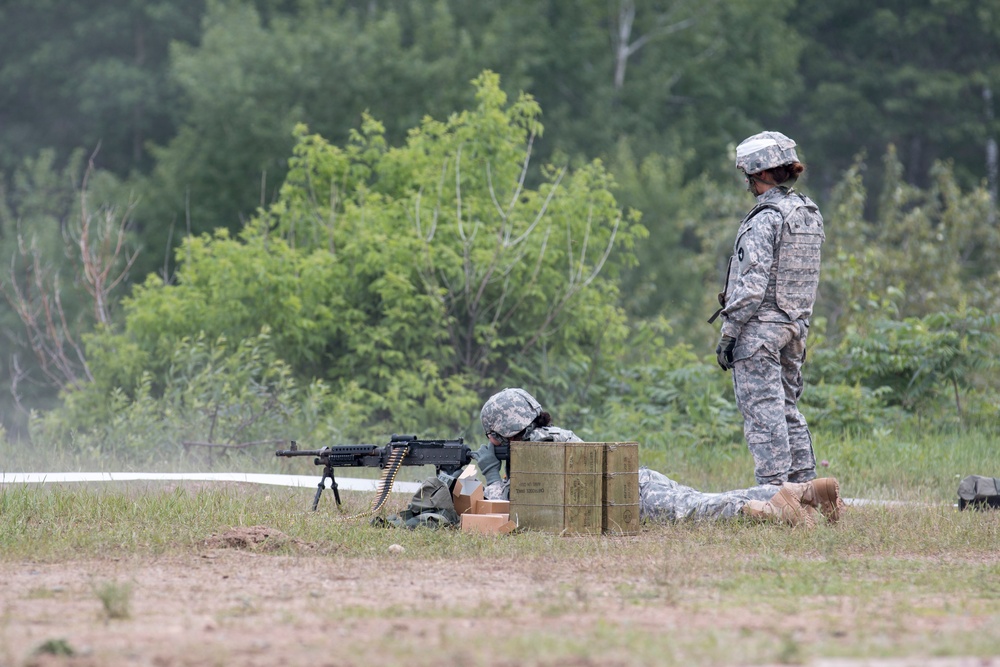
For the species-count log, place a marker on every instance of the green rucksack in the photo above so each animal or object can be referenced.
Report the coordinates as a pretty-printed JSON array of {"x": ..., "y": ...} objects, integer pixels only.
[
  {"x": 978, "y": 492},
  {"x": 431, "y": 506}
]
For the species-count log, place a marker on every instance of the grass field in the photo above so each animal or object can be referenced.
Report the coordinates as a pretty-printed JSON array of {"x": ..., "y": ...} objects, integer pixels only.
[{"x": 201, "y": 574}]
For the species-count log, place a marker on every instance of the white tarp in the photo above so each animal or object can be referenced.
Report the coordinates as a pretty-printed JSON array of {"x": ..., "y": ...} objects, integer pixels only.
[{"x": 345, "y": 483}]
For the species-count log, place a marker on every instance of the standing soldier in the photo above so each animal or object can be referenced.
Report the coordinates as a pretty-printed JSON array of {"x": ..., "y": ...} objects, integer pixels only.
[{"x": 768, "y": 299}]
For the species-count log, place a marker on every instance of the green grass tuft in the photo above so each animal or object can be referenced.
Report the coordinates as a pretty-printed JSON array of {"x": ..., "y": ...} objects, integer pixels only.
[{"x": 116, "y": 599}]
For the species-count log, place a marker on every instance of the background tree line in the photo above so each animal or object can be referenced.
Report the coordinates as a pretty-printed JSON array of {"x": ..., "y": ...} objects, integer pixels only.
[{"x": 311, "y": 192}]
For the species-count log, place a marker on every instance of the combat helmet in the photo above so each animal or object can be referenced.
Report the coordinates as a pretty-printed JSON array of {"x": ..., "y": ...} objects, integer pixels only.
[
  {"x": 509, "y": 412},
  {"x": 766, "y": 150}
]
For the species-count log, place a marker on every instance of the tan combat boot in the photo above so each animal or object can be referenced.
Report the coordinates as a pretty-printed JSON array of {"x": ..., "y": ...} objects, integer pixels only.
[
  {"x": 784, "y": 506},
  {"x": 823, "y": 494}
]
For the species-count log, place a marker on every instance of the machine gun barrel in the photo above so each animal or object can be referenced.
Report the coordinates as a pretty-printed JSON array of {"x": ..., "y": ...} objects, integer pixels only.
[{"x": 341, "y": 456}]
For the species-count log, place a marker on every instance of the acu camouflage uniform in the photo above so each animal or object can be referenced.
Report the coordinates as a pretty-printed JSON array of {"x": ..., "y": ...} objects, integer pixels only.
[
  {"x": 510, "y": 411},
  {"x": 770, "y": 292},
  {"x": 663, "y": 499}
]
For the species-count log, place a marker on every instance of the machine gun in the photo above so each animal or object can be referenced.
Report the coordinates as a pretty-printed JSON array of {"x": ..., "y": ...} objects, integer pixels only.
[{"x": 446, "y": 456}]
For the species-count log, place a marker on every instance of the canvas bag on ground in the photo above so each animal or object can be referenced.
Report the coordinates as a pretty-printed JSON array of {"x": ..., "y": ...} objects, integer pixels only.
[
  {"x": 979, "y": 492},
  {"x": 431, "y": 506}
]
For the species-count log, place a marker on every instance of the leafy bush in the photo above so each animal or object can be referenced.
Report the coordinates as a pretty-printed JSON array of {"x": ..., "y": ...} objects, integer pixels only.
[
  {"x": 664, "y": 396},
  {"x": 237, "y": 395},
  {"x": 919, "y": 364},
  {"x": 842, "y": 407},
  {"x": 407, "y": 283}
]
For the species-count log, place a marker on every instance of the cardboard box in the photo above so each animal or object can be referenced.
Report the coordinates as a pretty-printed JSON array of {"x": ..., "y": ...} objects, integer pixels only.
[
  {"x": 487, "y": 524},
  {"x": 557, "y": 486},
  {"x": 466, "y": 493},
  {"x": 492, "y": 507},
  {"x": 621, "y": 488}
]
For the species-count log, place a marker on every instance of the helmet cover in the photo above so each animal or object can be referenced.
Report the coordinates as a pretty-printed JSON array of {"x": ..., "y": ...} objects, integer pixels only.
[
  {"x": 766, "y": 150},
  {"x": 509, "y": 412}
]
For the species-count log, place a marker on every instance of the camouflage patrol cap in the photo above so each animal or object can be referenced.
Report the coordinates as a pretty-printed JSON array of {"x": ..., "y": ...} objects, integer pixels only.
[
  {"x": 766, "y": 150},
  {"x": 509, "y": 412}
]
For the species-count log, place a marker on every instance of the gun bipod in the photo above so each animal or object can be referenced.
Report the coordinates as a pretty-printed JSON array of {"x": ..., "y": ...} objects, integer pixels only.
[{"x": 327, "y": 472}]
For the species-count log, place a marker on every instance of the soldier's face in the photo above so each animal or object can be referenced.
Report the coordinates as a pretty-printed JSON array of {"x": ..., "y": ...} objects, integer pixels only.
[{"x": 757, "y": 184}]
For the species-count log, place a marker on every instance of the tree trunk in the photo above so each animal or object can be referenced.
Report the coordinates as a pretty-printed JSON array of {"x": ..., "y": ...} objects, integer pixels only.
[
  {"x": 991, "y": 154},
  {"x": 623, "y": 37},
  {"x": 137, "y": 108}
]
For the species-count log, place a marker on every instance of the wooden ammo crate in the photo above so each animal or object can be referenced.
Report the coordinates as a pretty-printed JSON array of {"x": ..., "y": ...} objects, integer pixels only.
[
  {"x": 621, "y": 488},
  {"x": 557, "y": 487}
]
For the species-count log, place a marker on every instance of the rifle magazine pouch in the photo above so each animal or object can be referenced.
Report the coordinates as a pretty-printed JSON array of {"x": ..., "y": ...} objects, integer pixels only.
[{"x": 979, "y": 492}]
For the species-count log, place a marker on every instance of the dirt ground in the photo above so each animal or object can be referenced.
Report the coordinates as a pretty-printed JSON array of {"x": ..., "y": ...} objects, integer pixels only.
[{"x": 234, "y": 602}]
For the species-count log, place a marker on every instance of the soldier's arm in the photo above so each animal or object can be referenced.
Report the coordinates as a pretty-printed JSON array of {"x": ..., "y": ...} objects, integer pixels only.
[{"x": 755, "y": 254}]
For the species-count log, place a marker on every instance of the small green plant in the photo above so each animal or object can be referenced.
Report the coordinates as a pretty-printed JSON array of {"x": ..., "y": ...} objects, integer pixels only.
[
  {"x": 54, "y": 647},
  {"x": 116, "y": 599},
  {"x": 790, "y": 652},
  {"x": 41, "y": 593}
]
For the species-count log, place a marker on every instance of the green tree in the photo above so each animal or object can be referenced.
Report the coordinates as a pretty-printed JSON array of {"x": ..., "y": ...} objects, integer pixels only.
[
  {"x": 693, "y": 221},
  {"x": 63, "y": 232},
  {"x": 919, "y": 74},
  {"x": 412, "y": 279},
  {"x": 89, "y": 73},
  {"x": 902, "y": 303},
  {"x": 255, "y": 75},
  {"x": 668, "y": 76},
  {"x": 929, "y": 250}
]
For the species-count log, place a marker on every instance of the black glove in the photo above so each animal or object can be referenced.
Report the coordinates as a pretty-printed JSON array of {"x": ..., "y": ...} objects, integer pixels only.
[{"x": 724, "y": 352}]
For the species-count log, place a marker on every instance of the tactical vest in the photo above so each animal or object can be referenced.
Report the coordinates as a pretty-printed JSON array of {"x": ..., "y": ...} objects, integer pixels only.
[{"x": 794, "y": 275}]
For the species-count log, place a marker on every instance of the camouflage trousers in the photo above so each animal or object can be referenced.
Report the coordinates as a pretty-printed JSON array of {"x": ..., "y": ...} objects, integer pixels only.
[
  {"x": 497, "y": 490},
  {"x": 663, "y": 499},
  {"x": 767, "y": 379}
]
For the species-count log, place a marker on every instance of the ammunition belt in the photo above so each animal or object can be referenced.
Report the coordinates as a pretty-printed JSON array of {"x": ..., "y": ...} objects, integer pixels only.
[{"x": 385, "y": 482}]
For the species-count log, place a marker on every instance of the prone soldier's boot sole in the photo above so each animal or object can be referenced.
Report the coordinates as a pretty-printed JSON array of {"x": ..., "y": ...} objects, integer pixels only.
[
  {"x": 826, "y": 496},
  {"x": 822, "y": 494}
]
